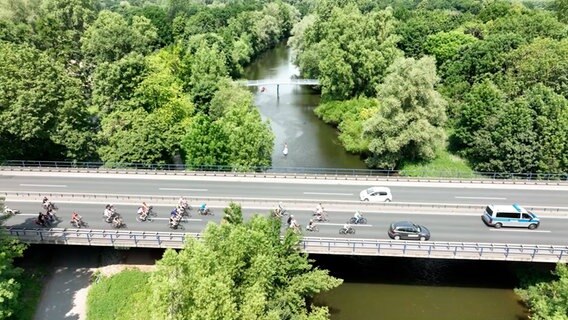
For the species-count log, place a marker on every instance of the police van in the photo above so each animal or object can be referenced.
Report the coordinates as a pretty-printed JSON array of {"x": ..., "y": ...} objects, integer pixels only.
[{"x": 510, "y": 216}]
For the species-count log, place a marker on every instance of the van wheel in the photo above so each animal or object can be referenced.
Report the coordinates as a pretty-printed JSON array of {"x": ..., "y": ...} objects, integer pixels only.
[
  {"x": 422, "y": 238},
  {"x": 498, "y": 225},
  {"x": 396, "y": 237},
  {"x": 532, "y": 226}
]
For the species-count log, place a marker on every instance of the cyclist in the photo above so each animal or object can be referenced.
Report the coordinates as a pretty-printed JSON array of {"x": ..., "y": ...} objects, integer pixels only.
[
  {"x": 358, "y": 216},
  {"x": 311, "y": 226}
]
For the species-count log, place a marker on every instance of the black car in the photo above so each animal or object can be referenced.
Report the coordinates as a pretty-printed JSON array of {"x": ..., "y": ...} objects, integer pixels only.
[{"x": 408, "y": 231}]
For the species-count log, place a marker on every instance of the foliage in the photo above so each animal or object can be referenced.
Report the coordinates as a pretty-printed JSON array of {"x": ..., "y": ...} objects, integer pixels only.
[
  {"x": 415, "y": 31},
  {"x": 527, "y": 134},
  {"x": 10, "y": 288},
  {"x": 238, "y": 271},
  {"x": 542, "y": 61},
  {"x": 349, "y": 116},
  {"x": 147, "y": 112},
  {"x": 548, "y": 300},
  {"x": 204, "y": 143},
  {"x": 41, "y": 108},
  {"x": 110, "y": 37},
  {"x": 447, "y": 45},
  {"x": 347, "y": 50},
  {"x": 409, "y": 124},
  {"x": 119, "y": 297}
]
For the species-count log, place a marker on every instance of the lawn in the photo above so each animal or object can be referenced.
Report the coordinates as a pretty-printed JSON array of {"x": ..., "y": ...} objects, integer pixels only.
[
  {"x": 122, "y": 296},
  {"x": 444, "y": 165}
]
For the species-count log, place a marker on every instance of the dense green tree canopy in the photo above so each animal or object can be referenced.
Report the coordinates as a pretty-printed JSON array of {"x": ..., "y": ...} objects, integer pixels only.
[
  {"x": 10, "y": 249},
  {"x": 41, "y": 107},
  {"x": 409, "y": 123},
  {"x": 548, "y": 300},
  {"x": 238, "y": 271},
  {"x": 347, "y": 50}
]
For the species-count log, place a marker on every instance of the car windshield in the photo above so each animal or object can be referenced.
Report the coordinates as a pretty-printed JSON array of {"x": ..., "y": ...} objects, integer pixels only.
[
  {"x": 369, "y": 191},
  {"x": 416, "y": 228}
]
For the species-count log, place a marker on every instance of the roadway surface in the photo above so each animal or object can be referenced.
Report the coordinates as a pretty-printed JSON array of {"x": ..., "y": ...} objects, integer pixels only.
[
  {"x": 455, "y": 227},
  {"x": 529, "y": 196},
  {"x": 466, "y": 227}
]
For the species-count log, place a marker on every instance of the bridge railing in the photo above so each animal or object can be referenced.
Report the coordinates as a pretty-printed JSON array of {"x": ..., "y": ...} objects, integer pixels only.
[
  {"x": 266, "y": 82},
  {"x": 339, "y": 246},
  {"x": 288, "y": 172}
]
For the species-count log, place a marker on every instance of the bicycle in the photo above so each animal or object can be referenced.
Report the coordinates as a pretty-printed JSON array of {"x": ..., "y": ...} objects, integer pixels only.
[{"x": 348, "y": 230}]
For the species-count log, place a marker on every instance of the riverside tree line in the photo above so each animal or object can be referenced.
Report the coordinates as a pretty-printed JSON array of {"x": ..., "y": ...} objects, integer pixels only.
[{"x": 147, "y": 81}]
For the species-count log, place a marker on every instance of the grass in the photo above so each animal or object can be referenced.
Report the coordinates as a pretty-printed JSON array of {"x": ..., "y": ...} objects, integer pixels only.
[
  {"x": 122, "y": 296},
  {"x": 444, "y": 165}
]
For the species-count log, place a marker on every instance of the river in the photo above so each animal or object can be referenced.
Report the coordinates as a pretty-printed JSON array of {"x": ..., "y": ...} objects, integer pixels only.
[
  {"x": 375, "y": 288},
  {"x": 311, "y": 142}
]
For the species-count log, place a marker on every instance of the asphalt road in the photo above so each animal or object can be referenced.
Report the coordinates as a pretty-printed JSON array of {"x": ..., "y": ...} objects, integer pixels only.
[
  {"x": 418, "y": 192},
  {"x": 466, "y": 228}
]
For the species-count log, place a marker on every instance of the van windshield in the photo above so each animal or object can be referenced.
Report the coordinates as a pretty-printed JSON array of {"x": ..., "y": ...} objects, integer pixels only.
[{"x": 489, "y": 211}]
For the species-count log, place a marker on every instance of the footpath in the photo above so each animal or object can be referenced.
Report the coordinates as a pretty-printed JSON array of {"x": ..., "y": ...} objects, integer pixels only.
[{"x": 64, "y": 293}]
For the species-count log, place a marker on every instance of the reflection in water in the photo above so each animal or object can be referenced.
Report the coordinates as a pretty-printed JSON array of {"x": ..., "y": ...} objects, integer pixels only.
[
  {"x": 311, "y": 142},
  {"x": 406, "y": 288}
]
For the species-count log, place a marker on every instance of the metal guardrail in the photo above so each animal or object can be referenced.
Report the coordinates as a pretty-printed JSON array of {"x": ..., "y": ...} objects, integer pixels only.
[
  {"x": 269, "y": 202},
  {"x": 339, "y": 246},
  {"x": 287, "y": 172}
]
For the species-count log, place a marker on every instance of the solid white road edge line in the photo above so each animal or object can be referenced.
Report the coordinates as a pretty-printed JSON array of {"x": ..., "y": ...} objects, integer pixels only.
[
  {"x": 181, "y": 189},
  {"x": 519, "y": 230},
  {"x": 44, "y": 185},
  {"x": 482, "y": 198},
  {"x": 329, "y": 193}
]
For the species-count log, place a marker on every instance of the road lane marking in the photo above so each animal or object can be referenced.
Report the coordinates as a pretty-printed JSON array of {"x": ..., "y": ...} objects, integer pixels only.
[
  {"x": 482, "y": 198},
  {"x": 181, "y": 189},
  {"x": 341, "y": 224},
  {"x": 520, "y": 230},
  {"x": 44, "y": 185},
  {"x": 184, "y": 219},
  {"x": 329, "y": 193}
]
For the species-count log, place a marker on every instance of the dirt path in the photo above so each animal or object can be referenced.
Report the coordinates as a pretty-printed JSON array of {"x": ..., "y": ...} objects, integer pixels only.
[{"x": 64, "y": 295}]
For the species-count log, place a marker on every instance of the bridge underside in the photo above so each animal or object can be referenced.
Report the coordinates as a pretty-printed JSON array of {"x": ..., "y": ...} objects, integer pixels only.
[{"x": 334, "y": 246}]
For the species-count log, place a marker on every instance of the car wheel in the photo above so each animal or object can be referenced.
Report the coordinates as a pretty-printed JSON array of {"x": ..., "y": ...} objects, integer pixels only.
[
  {"x": 396, "y": 237},
  {"x": 498, "y": 225},
  {"x": 532, "y": 226},
  {"x": 422, "y": 238},
  {"x": 388, "y": 200},
  {"x": 366, "y": 199}
]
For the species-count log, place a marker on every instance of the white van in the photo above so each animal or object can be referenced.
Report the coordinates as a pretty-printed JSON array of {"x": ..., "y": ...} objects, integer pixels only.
[
  {"x": 510, "y": 216},
  {"x": 376, "y": 194}
]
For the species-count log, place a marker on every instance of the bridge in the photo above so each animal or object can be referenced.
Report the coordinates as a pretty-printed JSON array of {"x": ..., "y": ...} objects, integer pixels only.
[
  {"x": 450, "y": 210},
  {"x": 279, "y": 82}
]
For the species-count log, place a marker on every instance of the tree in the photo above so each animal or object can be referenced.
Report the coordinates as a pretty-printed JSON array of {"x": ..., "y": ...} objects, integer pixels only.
[
  {"x": 205, "y": 143},
  {"x": 10, "y": 249},
  {"x": 110, "y": 37},
  {"x": 446, "y": 45},
  {"x": 41, "y": 108},
  {"x": 347, "y": 50},
  {"x": 149, "y": 126},
  {"x": 542, "y": 61},
  {"x": 115, "y": 83},
  {"x": 61, "y": 25},
  {"x": 548, "y": 300},
  {"x": 561, "y": 8},
  {"x": 238, "y": 271},
  {"x": 409, "y": 124}
]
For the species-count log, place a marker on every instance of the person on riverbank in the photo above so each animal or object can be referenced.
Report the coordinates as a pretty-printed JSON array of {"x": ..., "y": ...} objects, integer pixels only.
[{"x": 285, "y": 151}]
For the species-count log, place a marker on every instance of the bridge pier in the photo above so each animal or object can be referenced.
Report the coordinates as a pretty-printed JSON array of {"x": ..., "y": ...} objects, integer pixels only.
[{"x": 277, "y": 91}]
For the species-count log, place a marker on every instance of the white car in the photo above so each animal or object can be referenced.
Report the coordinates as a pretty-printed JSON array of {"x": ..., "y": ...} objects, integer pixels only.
[{"x": 376, "y": 194}]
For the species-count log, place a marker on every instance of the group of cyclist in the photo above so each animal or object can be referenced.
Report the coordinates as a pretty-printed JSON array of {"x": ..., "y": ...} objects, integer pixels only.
[
  {"x": 319, "y": 215},
  {"x": 46, "y": 217}
]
